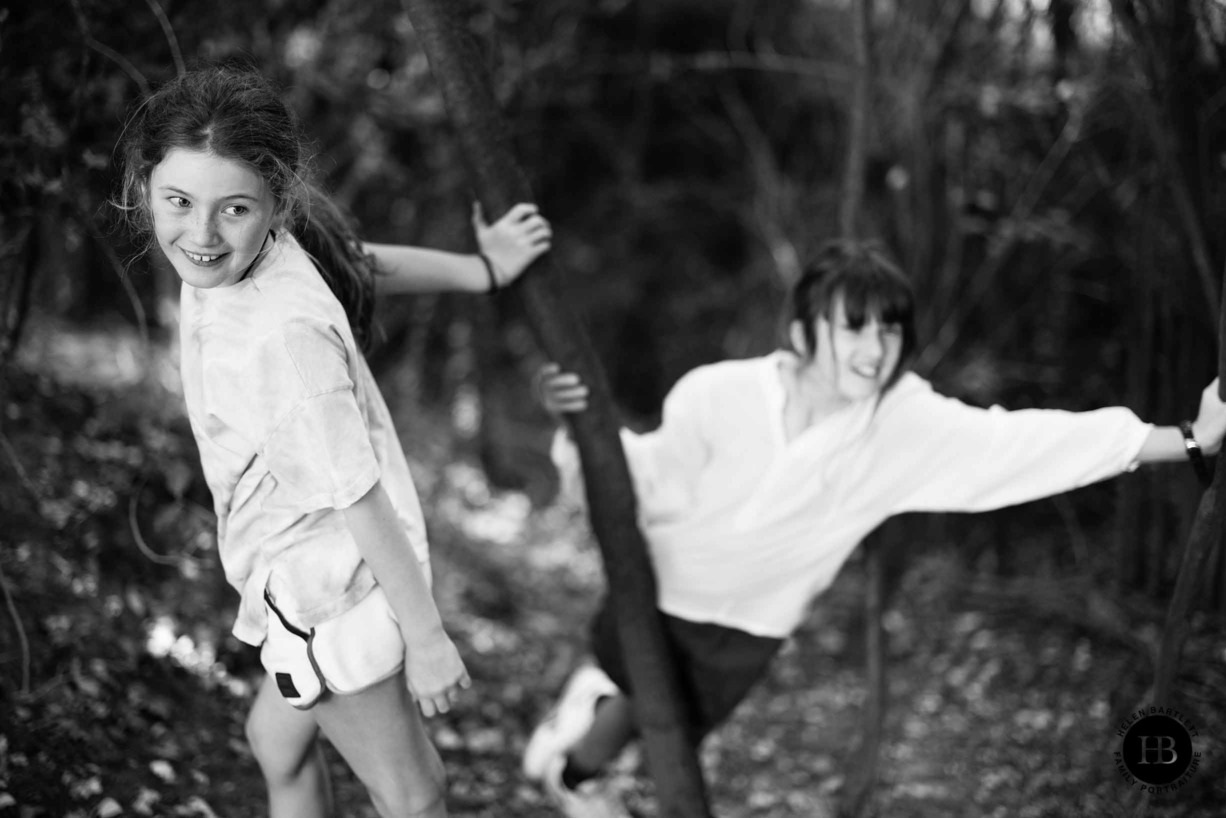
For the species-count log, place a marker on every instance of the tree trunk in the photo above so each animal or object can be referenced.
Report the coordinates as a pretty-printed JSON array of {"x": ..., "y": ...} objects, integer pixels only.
[
  {"x": 1207, "y": 532},
  {"x": 461, "y": 74}
]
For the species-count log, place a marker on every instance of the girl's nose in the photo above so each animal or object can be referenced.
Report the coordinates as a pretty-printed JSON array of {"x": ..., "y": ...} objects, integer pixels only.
[
  {"x": 872, "y": 342},
  {"x": 203, "y": 228}
]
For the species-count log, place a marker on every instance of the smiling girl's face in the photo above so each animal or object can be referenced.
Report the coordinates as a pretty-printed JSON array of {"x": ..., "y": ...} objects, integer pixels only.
[
  {"x": 852, "y": 362},
  {"x": 211, "y": 216}
]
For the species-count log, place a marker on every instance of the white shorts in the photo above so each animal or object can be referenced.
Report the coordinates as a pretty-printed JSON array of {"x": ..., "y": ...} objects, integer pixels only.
[{"x": 346, "y": 654}]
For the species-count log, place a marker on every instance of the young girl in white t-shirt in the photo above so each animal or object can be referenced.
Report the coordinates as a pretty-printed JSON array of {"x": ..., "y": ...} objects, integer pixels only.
[
  {"x": 765, "y": 474},
  {"x": 319, "y": 526}
]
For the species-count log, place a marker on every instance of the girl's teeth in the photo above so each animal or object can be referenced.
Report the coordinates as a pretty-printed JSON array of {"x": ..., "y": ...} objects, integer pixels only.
[{"x": 200, "y": 258}]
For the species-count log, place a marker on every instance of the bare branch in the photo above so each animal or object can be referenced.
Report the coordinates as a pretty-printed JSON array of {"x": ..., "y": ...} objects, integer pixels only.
[
  {"x": 139, "y": 538},
  {"x": 108, "y": 52},
  {"x": 171, "y": 39},
  {"x": 858, "y": 119},
  {"x": 765, "y": 210},
  {"x": 21, "y": 633},
  {"x": 21, "y": 472},
  {"x": 1003, "y": 243}
]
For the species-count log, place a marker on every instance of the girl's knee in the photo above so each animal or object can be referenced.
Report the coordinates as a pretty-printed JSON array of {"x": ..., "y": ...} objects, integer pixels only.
[
  {"x": 279, "y": 760},
  {"x": 411, "y": 796}
]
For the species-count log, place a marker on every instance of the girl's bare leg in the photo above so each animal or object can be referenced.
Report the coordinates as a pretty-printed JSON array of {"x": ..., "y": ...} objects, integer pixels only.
[
  {"x": 381, "y": 735},
  {"x": 284, "y": 742}
]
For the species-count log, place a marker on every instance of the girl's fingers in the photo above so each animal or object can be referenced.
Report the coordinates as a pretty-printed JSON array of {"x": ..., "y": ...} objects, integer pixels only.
[
  {"x": 525, "y": 210},
  {"x": 442, "y": 701},
  {"x": 520, "y": 212},
  {"x": 576, "y": 393},
  {"x": 560, "y": 391}
]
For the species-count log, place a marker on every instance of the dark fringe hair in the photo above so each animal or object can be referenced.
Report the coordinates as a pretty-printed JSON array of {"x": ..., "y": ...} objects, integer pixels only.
[
  {"x": 870, "y": 284},
  {"x": 235, "y": 113}
]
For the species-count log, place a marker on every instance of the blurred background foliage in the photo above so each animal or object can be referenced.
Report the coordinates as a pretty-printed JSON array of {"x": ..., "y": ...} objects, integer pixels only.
[{"x": 1049, "y": 171}]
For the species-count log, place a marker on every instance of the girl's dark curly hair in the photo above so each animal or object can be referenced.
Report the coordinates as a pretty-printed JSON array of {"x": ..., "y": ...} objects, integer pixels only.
[{"x": 236, "y": 114}]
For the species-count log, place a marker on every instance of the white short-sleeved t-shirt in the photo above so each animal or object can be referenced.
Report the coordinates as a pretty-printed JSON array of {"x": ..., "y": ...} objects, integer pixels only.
[{"x": 291, "y": 429}]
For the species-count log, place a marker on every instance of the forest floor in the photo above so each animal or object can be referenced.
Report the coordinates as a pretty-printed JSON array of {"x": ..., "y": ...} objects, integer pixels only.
[{"x": 122, "y": 692}]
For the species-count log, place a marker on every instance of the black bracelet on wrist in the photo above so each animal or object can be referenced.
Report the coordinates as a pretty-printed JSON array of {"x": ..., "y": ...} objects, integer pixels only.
[
  {"x": 1194, "y": 453},
  {"x": 489, "y": 270}
]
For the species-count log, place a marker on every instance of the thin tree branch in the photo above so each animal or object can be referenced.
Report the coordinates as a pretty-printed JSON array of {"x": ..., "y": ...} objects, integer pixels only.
[
  {"x": 108, "y": 52},
  {"x": 985, "y": 277},
  {"x": 764, "y": 212},
  {"x": 860, "y": 780},
  {"x": 21, "y": 472},
  {"x": 19, "y": 295},
  {"x": 21, "y": 633},
  {"x": 169, "y": 32},
  {"x": 663, "y": 66},
  {"x": 121, "y": 272},
  {"x": 858, "y": 119},
  {"x": 139, "y": 538}
]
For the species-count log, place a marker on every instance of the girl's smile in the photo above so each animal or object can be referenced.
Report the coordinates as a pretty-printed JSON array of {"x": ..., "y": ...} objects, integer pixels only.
[
  {"x": 851, "y": 363},
  {"x": 211, "y": 216}
]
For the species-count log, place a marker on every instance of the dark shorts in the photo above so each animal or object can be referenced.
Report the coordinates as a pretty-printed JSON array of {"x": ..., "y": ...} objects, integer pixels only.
[{"x": 718, "y": 665}]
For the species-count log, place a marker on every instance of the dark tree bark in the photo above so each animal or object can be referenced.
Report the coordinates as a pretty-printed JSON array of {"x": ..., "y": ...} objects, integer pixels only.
[
  {"x": 1208, "y": 528},
  {"x": 462, "y": 76}
]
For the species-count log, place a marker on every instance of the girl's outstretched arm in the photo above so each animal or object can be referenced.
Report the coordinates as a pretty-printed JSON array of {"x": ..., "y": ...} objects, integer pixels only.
[
  {"x": 433, "y": 668},
  {"x": 511, "y": 244},
  {"x": 1166, "y": 443}
]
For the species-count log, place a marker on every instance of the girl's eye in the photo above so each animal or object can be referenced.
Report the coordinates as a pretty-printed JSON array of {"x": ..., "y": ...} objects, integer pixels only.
[
  {"x": 236, "y": 210},
  {"x": 179, "y": 201}
]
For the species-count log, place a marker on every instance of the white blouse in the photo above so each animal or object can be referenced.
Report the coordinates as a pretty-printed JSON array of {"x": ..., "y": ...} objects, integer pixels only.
[{"x": 745, "y": 528}]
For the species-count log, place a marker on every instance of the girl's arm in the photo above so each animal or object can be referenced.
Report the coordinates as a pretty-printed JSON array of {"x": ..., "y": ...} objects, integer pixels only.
[
  {"x": 934, "y": 453},
  {"x": 1166, "y": 443},
  {"x": 511, "y": 244},
  {"x": 433, "y": 667}
]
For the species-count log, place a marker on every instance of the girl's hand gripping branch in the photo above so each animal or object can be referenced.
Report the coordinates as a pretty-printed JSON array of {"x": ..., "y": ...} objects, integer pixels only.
[
  {"x": 507, "y": 247},
  {"x": 559, "y": 392},
  {"x": 513, "y": 242},
  {"x": 1210, "y": 425}
]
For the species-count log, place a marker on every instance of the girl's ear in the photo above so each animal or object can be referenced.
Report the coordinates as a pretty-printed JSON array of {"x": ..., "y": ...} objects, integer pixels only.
[
  {"x": 280, "y": 217},
  {"x": 796, "y": 334}
]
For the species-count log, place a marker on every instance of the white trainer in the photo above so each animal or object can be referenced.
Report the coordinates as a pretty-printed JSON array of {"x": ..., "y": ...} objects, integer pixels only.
[
  {"x": 567, "y": 722},
  {"x": 593, "y": 798}
]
